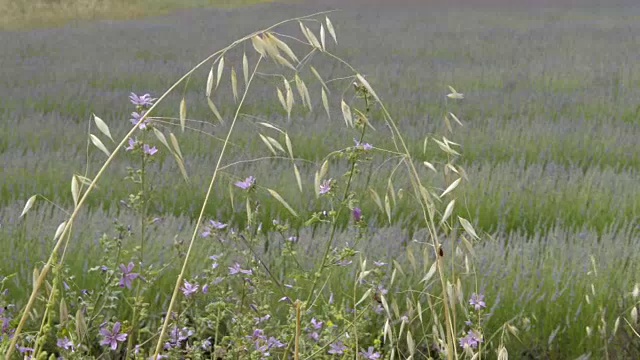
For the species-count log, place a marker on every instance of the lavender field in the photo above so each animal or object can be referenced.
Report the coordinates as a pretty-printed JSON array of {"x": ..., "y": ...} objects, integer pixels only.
[{"x": 549, "y": 144}]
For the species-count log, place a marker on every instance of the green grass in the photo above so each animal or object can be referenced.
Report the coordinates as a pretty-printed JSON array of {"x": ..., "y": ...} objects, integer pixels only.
[{"x": 28, "y": 14}]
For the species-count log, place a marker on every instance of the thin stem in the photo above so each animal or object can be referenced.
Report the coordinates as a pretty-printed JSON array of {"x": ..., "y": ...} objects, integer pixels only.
[{"x": 201, "y": 216}]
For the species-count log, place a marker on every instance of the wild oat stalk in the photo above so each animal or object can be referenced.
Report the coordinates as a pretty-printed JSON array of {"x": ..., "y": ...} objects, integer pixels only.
[{"x": 65, "y": 227}]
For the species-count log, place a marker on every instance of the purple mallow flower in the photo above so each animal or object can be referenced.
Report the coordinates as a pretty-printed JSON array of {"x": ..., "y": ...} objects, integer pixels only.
[
  {"x": 65, "y": 344},
  {"x": 189, "y": 289},
  {"x": 325, "y": 187},
  {"x": 247, "y": 183},
  {"x": 236, "y": 269},
  {"x": 477, "y": 301},
  {"x": 362, "y": 146},
  {"x": 113, "y": 337},
  {"x": 143, "y": 100},
  {"x": 471, "y": 340},
  {"x": 148, "y": 150},
  {"x": 213, "y": 225},
  {"x": 127, "y": 275},
  {"x": 337, "y": 348},
  {"x": 133, "y": 142},
  {"x": 135, "y": 118},
  {"x": 317, "y": 324},
  {"x": 357, "y": 214},
  {"x": 371, "y": 354}
]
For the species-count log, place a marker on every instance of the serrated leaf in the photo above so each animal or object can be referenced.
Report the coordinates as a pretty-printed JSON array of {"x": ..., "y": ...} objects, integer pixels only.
[
  {"x": 75, "y": 190},
  {"x": 451, "y": 187},
  {"x": 468, "y": 227},
  {"x": 102, "y": 126},
  {"x": 325, "y": 103},
  {"x": 266, "y": 142},
  {"x": 332, "y": 31},
  {"x": 430, "y": 166},
  {"x": 322, "y": 37},
  {"x": 99, "y": 144},
  {"x": 245, "y": 68},
  {"x": 346, "y": 113},
  {"x": 287, "y": 142},
  {"x": 28, "y": 205},
  {"x": 59, "y": 230},
  {"x": 284, "y": 203},
  {"x": 447, "y": 211},
  {"x": 298, "y": 178},
  {"x": 214, "y": 109},
  {"x": 430, "y": 273},
  {"x": 234, "y": 84},
  {"x": 364, "y": 82},
  {"x": 183, "y": 114},
  {"x": 220, "y": 70},
  {"x": 176, "y": 146},
  {"x": 209, "y": 82}
]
